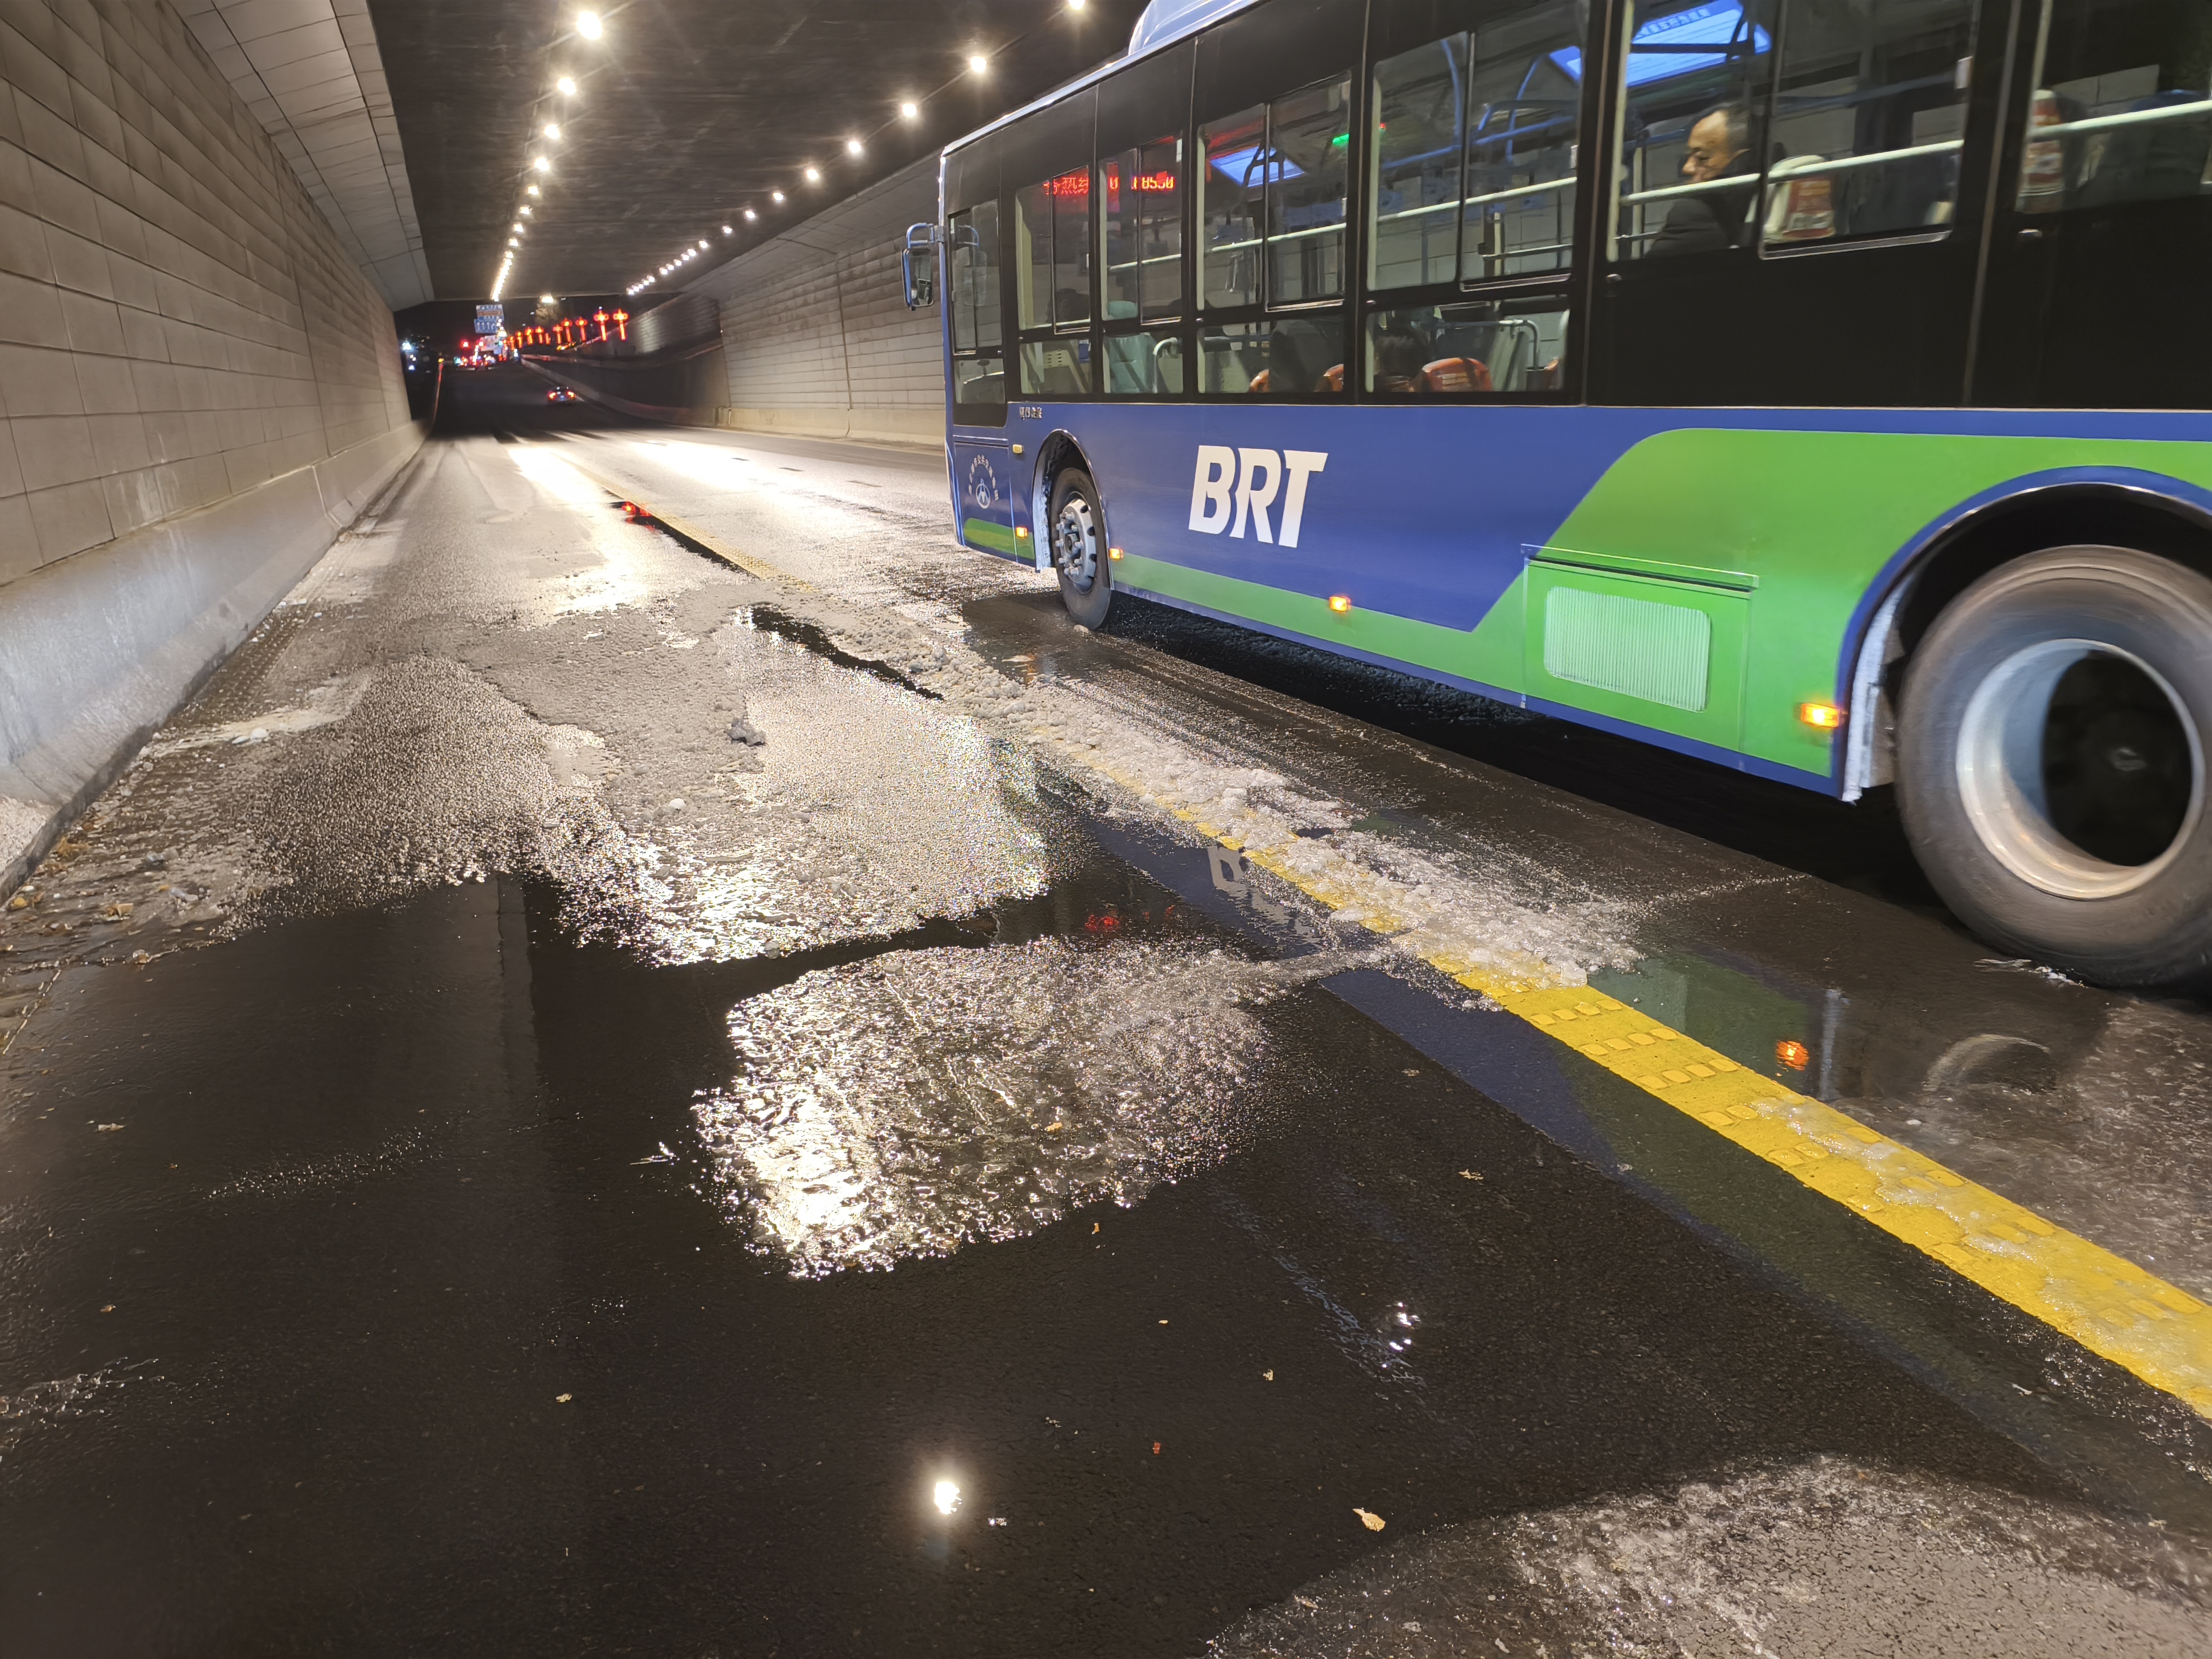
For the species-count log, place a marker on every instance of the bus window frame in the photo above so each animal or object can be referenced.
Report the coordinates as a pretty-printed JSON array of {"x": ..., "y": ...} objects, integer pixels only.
[
  {"x": 1573, "y": 288},
  {"x": 1205, "y": 316}
]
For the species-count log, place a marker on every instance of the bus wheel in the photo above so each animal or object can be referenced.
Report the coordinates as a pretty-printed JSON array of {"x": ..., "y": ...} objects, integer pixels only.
[
  {"x": 1079, "y": 547},
  {"x": 2051, "y": 759}
]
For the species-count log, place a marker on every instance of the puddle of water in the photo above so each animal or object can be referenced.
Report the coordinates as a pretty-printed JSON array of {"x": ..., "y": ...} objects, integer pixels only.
[{"x": 910, "y": 1104}]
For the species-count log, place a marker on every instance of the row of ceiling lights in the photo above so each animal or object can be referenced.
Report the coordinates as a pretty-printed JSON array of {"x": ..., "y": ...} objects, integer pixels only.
[
  {"x": 589, "y": 26},
  {"x": 910, "y": 110}
]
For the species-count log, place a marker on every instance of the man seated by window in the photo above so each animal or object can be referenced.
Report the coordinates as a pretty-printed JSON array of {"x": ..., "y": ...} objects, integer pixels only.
[{"x": 1721, "y": 146}]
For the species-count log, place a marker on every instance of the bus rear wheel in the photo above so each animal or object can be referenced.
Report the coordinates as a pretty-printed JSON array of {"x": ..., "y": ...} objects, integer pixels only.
[
  {"x": 1079, "y": 547},
  {"x": 2051, "y": 763}
]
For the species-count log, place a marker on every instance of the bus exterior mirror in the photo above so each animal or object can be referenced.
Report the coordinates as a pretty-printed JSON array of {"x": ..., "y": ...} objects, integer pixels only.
[{"x": 918, "y": 262}]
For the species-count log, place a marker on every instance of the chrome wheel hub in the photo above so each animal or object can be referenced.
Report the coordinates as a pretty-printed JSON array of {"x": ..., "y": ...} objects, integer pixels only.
[{"x": 1075, "y": 543}]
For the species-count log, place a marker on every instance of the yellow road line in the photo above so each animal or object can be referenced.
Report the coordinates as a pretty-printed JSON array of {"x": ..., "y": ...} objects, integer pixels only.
[
  {"x": 2107, "y": 1303},
  {"x": 744, "y": 561},
  {"x": 2104, "y": 1302}
]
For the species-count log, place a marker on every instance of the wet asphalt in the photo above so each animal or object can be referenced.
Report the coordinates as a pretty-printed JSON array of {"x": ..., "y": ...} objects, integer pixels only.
[{"x": 495, "y": 1160}]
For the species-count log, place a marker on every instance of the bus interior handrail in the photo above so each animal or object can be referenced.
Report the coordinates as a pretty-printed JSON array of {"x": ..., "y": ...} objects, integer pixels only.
[{"x": 2131, "y": 118}]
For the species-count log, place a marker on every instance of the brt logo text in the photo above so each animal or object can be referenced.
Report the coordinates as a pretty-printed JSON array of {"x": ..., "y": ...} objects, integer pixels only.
[{"x": 1235, "y": 488}]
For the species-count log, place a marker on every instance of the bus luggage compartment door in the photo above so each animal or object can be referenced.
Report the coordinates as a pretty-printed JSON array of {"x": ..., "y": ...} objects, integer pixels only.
[
  {"x": 983, "y": 474},
  {"x": 1664, "y": 654}
]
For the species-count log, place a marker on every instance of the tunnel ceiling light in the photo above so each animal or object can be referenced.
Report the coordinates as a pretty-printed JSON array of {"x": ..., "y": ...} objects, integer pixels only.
[
  {"x": 909, "y": 109},
  {"x": 568, "y": 87},
  {"x": 1076, "y": 5},
  {"x": 532, "y": 191},
  {"x": 814, "y": 175},
  {"x": 776, "y": 196},
  {"x": 978, "y": 62},
  {"x": 853, "y": 146},
  {"x": 552, "y": 129},
  {"x": 726, "y": 231},
  {"x": 541, "y": 164},
  {"x": 526, "y": 211},
  {"x": 588, "y": 24},
  {"x": 751, "y": 216},
  {"x": 702, "y": 244}
]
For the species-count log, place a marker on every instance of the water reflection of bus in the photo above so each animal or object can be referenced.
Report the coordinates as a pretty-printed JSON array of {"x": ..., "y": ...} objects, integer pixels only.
[{"x": 1812, "y": 386}]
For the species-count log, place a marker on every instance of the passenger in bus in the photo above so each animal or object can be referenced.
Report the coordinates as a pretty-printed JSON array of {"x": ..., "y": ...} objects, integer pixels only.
[
  {"x": 1400, "y": 351},
  {"x": 1723, "y": 145}
]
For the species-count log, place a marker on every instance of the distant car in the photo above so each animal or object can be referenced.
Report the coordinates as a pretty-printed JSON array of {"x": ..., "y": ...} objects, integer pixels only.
[{"x": 562, "y": 394}]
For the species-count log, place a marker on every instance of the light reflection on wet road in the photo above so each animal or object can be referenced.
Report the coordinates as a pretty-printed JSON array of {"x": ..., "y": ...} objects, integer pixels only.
[{"x": 495, "y": 1159}]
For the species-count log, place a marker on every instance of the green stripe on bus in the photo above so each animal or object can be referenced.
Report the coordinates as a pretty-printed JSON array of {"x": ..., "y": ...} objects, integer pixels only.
[
  {"x": 1814, "y": 516},
  {"x": 991, "y": 537},
  {"x": 1490, "y": 654}
]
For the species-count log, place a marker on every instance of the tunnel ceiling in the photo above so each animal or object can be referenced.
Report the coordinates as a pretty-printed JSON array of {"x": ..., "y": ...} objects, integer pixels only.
[{"x": 687, "y": 112}]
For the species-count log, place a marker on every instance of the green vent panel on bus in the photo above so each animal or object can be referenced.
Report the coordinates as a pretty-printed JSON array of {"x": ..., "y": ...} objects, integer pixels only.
[
  {"x": 1664, "y": 654},
  {"x": 1640, "y": 648}
]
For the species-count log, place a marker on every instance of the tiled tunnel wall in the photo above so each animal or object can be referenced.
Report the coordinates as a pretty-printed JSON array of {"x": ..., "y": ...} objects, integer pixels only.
[
  {"x": 815, "y": 331},
  {"x": 178, "y": 323}
]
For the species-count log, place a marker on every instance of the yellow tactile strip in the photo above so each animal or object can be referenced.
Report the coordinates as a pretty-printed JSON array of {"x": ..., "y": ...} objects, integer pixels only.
[{"x": 2109, "y": 1305}]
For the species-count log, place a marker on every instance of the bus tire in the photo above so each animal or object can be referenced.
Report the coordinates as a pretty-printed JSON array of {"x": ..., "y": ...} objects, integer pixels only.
[
  {"x": 2051, "y": 763},
  {"x": 1077, "y": 528}
]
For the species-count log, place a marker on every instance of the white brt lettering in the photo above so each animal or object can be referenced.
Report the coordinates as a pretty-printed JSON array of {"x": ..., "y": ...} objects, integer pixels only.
[{"x": 1259, "y": 476}]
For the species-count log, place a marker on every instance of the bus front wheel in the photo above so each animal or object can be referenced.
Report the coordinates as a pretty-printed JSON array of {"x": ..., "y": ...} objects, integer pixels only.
[
  {"x": 2051, "y": 763},
  {"x": 1079, "y": 547}
]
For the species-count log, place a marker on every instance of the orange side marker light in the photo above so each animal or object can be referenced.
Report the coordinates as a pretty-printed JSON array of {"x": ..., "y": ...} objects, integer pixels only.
[
  {"x": 1340, "y": 604},
  {"x": 1820, "y": 716},
  {"x": 1795, "y": 1055},
  {"x": 1114, "y": 553}
]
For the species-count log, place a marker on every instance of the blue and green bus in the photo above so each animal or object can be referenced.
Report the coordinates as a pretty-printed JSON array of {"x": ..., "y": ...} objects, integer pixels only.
[{"x": 1816, "y": 387}]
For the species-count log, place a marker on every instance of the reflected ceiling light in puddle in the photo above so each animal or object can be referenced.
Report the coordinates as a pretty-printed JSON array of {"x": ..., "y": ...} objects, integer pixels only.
[
  {"x": 568, "y": 87},
  {"x": 946, "y": 1496},
  {"x": 588, "y": 24}
]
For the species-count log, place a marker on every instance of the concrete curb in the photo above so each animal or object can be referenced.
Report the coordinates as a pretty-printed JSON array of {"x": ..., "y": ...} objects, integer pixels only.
[{"x": 97, "y": 650}]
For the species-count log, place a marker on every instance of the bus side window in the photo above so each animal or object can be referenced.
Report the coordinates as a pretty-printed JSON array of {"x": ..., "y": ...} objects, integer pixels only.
[
  {"x": 1692, "y": 134},
  {"x": 1141, "y": 181},
  {"x": 1272, "y": 90},
  {"x": 2123, "y": 109},
  {"x": 1868, "y": 120},
  {"x": 1474, "y": 148},
  {"x": 979, "y": 367}
]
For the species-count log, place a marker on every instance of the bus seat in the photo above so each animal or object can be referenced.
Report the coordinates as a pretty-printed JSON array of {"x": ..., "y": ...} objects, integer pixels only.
[{"x": 1455, "y": 374}]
